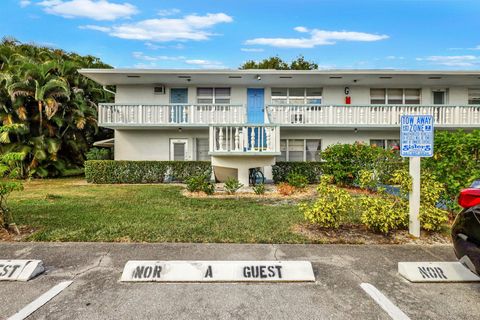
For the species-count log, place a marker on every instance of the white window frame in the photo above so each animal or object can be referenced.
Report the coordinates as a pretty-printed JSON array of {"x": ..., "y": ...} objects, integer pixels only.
[
  {"x": 468, "y": 97},
  {"x": 214, "y": 96},
  {"x": 403, "y": 96},
  {"x": 287, "y": 147},
  {"x": 179, "y": 140},
  {"x": 305, "y": 96},
  {"x": 385, "y": 142}
]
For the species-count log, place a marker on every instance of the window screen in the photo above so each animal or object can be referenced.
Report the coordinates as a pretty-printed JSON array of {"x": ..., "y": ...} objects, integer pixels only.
[
  {"x": 205, "y": 95},
  {"x": 412, "y": 96},
  {"x": 378, "y": 143},
  {"x": 279, "y": 95},
  {"x": 202, "y": 149},
  {"x": 377, "y": 96},
  {"x": 313, "y": 149},
  {"x": 283, "y": 150},
  {"x": 395, "y": 96},
  {"x": 473, "y": 96},
  {"x": 178, "y": 151},
  {"x": 295, "y": 150}
]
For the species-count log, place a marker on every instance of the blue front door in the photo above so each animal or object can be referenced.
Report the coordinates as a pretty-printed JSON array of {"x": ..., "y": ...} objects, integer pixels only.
[
  {"x": 178, "y": 97},
  {"x": 255, "y": 100}
]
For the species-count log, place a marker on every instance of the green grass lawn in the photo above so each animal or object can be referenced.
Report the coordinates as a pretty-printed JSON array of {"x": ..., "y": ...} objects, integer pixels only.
[{"x": 71, "y": 210}]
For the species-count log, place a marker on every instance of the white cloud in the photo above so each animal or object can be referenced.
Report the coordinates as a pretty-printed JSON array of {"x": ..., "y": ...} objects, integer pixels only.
[
  {"x": 25, "y": 3},
  {"x": 190, "y": 27},
  {"x": 453, "y": 61},
  {"x": 92, "y": 9},
  {"x": 96, "y": 28},
  {"x": 152, "y": 61},
  {"x": 168, "y": 12},
  {"x": 252, "y": 49},
  {"x": 141, "y": 56},
  {"x": 394, "y": 58},
  {"x": 206, "y": 64},
  {"x": 317, "y": 38}
]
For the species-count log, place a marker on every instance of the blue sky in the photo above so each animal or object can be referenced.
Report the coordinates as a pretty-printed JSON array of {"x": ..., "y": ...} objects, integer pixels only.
[{"x": 402, "y": 34}]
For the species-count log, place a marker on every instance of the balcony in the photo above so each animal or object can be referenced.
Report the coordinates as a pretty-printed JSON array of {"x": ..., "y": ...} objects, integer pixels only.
[
  {"x": 135, "y": 115},
  {"x": 446, "y": 116},
  {"x": 245, "y": 140}
]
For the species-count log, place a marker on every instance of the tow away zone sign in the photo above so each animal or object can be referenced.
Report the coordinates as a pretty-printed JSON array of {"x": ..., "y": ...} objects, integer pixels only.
[{"x": 217, "y": 271}]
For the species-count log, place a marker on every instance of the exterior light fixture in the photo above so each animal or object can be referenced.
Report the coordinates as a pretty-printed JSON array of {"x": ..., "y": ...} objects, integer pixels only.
[
  {"x": 180, "y": 130},
  {"x": 258, "y": 77},
  {"x": 355, "y": 130}
]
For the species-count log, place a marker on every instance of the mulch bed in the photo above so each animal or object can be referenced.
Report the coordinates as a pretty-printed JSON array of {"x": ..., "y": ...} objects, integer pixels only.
[
  {"x": 358, "y": 234},
  {"x": 10, "y": 235}
]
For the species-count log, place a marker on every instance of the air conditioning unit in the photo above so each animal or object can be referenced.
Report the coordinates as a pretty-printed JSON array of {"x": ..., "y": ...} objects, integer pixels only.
[{"x": 159, "y": 89}]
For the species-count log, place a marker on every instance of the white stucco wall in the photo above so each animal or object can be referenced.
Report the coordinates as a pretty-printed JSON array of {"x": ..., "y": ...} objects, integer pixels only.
[
  {"x": 153, "y": 144},
  {"x": 332, "y": 95}
]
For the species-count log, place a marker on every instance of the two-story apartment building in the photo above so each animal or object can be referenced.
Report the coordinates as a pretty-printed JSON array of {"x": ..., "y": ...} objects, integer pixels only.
[{"x": 241, "y": 119}]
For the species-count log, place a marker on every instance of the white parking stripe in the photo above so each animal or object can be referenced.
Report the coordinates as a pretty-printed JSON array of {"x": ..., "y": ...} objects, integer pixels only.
[
  {"x": 40, "y": 301},
  {"x": 393, "y": 311}
]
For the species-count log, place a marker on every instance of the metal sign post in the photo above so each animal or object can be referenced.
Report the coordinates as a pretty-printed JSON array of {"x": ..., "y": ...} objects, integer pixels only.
[{"x": 416, "y": 141}]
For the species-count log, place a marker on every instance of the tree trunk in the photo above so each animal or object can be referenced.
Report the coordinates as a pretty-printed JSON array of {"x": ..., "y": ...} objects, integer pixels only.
[{"x": 40, "y": 113}]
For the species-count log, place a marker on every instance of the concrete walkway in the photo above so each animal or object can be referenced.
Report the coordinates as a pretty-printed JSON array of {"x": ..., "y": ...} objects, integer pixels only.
[{"x": 95, "y": 293}]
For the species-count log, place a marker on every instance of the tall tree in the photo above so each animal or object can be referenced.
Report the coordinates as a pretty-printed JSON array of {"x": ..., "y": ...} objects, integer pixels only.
[
  {"x": 52, "y": 104},
  {"x": 277, "y": 63}
]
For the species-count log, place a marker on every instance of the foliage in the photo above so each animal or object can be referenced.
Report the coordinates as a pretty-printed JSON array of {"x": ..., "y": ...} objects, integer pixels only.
[
  {"x": 455, "y": 163},
  {"x": 285, "y": 189},
  {"x": 278, "y": 64},
  {"x": 232, "y": 185},
  {"x": 345, "y": 161},
  {"x": 331, "y": 206},
  {"x": 200, "y": 182},
  {"x": 431, "y": 217},
  {"x": 47, "y": 109},
  {"x": 367, "y": 180},
  {"x": 384, "y": 213},
  {"x": 6, "y": 188},
  {"x": 259, "y": 189},
  {"x": 99, "y": 154},
  {"x": 311, "y": 170},
  {"x": 114, "y": 171},
  {"x": 297, "y": 180}
]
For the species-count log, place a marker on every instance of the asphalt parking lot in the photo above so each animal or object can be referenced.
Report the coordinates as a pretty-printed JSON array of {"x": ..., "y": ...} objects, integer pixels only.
[{"x": 96, "y": 292}]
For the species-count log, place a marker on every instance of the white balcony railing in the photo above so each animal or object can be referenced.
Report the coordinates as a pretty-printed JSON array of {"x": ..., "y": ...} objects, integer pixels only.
[
  {"x": 253, "y": 139},
  {"x": 370, "y": 115},
  {"x": 169, "y": 114}
]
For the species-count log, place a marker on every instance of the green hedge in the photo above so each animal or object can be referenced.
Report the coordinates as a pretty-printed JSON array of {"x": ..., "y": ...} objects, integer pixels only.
[
  {"x": 311, "y": 170},
  {"x": 113, "y": 171}
]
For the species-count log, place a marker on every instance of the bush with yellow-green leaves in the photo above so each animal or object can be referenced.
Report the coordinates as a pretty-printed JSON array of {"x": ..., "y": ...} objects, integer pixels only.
[{"x": 331, "y": 206}]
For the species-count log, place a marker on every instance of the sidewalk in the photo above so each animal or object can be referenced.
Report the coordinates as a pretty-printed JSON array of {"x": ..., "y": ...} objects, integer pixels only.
[{"x": 96, "y": 293}]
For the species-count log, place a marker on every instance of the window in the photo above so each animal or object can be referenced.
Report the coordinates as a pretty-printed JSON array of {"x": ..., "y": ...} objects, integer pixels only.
[
  {"x": 473, "y": 96},
  {"x": 296, "y": 150},
  {"x": 202, "y": 149},
  {"x": 412, "y": 96},
  {"x": 387, "y": 144},
  {"x": 213, "y": 95},
  {"x": 395, "y": 96},
  {"x": 377, "y": 96},
  {"x": 300, "y": 150},
  {"x": 297, "y": 95}
]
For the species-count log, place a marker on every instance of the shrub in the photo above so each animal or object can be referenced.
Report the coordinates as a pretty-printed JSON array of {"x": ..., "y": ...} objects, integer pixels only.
[
  {"x": 345, "y": 162},
  {"x": 232, "y": 185},
  {"x": 331, "y": 206},
  {"x": 209, "y": 188},
  {"x": 196, "y": 183},
  {"x": 259, "y": 188},
  {"x": 6, "y": 217},
  {"x": 383, "y": 213},
  {"x": 285, "y": 189},
  {"x": 311, "y": 170},
  {"x": 117, "y": 171},
  {"x": 455, "y": 163},
  {"x": 199, "y": 183},
  {"x": 431, "y": 217},
  {"x": 367, "y": 180},
  {"x": 98, "y": 154},
  {"x": 297, "y": 180}
]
